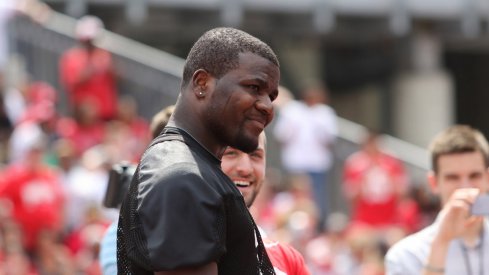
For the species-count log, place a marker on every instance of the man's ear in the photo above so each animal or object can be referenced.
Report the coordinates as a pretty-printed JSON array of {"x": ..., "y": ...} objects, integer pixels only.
[
  {"x": 201, "y": 80},
  {"x": 433, "y": 182}
]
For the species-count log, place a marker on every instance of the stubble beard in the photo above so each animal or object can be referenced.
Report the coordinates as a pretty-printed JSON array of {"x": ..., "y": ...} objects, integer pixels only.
[
  {"x": 252, "y": 198},
  {"x": 244, "y": 142},
  {"x": 233, "y": 135}
]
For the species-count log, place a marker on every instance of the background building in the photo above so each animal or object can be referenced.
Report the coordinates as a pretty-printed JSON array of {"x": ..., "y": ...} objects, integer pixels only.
[{"x": 400, "y": 65}]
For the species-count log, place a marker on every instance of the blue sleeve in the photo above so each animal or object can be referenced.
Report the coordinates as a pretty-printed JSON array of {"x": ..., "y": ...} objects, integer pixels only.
[{"x": 108, "y": 251}]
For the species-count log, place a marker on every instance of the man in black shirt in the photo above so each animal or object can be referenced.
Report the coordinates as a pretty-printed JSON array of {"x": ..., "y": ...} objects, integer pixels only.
[{"x": 183, "y": 215}]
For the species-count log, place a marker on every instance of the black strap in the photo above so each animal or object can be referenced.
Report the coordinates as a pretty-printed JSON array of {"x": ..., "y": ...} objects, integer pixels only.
[
  {"x": 264, "y": 263},
  {"x": 468, "y": 267},
  {"x": 166, "y": 136},
  {"x": 159, "y": 139}
]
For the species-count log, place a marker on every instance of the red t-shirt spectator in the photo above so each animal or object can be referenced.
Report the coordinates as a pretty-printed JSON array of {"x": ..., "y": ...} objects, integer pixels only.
[
  {"x": 37, "y": 199},
  {"x": 83, "y": 137},
  {"x": 285, "y": 259},
  {"x": 87, "y": 76},
  {"x": 374, "y": 184}
]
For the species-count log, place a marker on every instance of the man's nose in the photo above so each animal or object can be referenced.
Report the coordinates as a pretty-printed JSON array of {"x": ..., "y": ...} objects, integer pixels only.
[
  {"x": 244, "y": 166},
  {"x": 466, "y": 182},
  {"x": 264, "y": 105}
]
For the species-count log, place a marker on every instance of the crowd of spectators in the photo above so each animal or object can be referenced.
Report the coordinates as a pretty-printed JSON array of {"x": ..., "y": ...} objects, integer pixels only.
[{"x": 53, "y": 180}]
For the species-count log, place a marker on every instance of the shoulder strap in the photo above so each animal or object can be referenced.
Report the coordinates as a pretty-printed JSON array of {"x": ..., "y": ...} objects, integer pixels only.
[
  {"x": 159, "y": 139},
  {"x": 163, "y": 138}
]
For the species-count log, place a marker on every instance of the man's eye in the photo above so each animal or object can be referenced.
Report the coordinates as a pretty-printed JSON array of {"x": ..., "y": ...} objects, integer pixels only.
[
  {"x": 254, "y": 87},
  {"x": 273, "y": 96},
  {"x": 230, "y": 153},
  {"x": 257, "y": 156}
]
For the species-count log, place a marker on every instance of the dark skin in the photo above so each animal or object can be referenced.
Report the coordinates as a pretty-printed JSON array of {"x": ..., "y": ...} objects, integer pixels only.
[
  {"x": 240, "y": 101},
  {"x": 229, "y": 111}
]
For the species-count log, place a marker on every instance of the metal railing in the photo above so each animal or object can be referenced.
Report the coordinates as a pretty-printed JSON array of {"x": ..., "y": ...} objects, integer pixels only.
[
  {"x": 470, "y": 13},
  {"x": 149, "y": 75}
]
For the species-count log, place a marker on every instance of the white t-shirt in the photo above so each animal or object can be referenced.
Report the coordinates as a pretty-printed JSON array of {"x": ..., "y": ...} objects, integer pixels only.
[{"x": 306, "y": 134}]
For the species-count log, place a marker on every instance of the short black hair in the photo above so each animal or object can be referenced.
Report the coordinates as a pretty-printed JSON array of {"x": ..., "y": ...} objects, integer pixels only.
[{"x": 217, "y": 51}]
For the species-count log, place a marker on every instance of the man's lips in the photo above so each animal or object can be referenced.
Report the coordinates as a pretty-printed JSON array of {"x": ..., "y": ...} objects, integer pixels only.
[
  {"x": 242, "y": 183},
  {"x": 257, "y": 125},
  {"x": 263, "y": 121}
]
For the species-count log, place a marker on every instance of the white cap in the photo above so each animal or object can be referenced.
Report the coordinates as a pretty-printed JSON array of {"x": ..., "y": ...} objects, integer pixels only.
[{"x": 88, "y": 27}]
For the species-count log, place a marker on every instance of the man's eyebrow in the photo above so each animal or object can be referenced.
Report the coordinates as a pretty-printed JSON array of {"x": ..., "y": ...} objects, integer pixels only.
[
  {"x": 258, "y": 79},
  {"x": 258, "y": 150},
  {"x": 450, "y": 175},
  {"x": 262, "y": 81},
  {"x": 475, "y": 173}
]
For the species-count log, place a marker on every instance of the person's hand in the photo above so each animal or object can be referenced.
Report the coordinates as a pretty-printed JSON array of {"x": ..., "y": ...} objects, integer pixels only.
[
  {"x": 455, "y": 220},
  {"x": 455, "y": 215}
]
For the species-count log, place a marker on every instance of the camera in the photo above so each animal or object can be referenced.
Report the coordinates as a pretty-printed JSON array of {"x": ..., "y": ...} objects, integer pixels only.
[
  {"x": 481, "y": 205},
  {"x": 120, "y": 177}
]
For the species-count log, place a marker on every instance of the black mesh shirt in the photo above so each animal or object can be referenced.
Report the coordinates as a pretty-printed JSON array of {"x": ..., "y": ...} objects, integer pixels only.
[{"x": 182, "y": 211}]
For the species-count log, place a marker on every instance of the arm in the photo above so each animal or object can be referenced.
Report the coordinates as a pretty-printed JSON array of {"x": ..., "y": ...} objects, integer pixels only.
[
  {"x": 436, "y": 259},
  {"x": 68, "y": 70},
  {"x": 352, "y": 180},
  {"x": 398, "y": 262},
  {"x": 208, "y": 269},
  {"x": 455, "y": 219}
]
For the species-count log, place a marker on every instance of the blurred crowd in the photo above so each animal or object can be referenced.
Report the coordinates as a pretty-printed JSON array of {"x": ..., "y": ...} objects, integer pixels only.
[
  {"x": 54, "y": 177},
  {"x": 55, "y": 169}
]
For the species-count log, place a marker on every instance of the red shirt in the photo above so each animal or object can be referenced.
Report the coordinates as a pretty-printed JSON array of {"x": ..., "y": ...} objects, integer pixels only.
[
  {"x": 285, "y": 259},
  {"x": 83, "y": 137},
  {"x": 99, "y": 88},
  {"x": 374, "y": 183},
  {"x": 37, "y": 199}
]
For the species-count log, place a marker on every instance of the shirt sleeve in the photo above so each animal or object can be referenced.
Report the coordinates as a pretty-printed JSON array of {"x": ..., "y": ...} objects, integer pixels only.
[
  {"x": 400, "y": 261},
  {"x": 327, "y": 125},
  {"x": 285, "y": 125},
  {"x": 68, "y": 70},
  {"x": 298, "y": 261},
  {"x": 351, "y": 177},
  {"x": 182, "y": 217},
  {"x": 285, "y": 259},
  {"x": 108, "y": 251}
]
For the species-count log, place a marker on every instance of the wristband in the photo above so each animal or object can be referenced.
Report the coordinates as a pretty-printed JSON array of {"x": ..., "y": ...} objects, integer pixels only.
[{"x": 434, "y": 269}]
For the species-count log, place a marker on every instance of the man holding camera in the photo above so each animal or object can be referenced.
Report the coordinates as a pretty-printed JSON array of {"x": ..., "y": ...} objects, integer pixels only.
[{"x": 457, "y": 242}]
